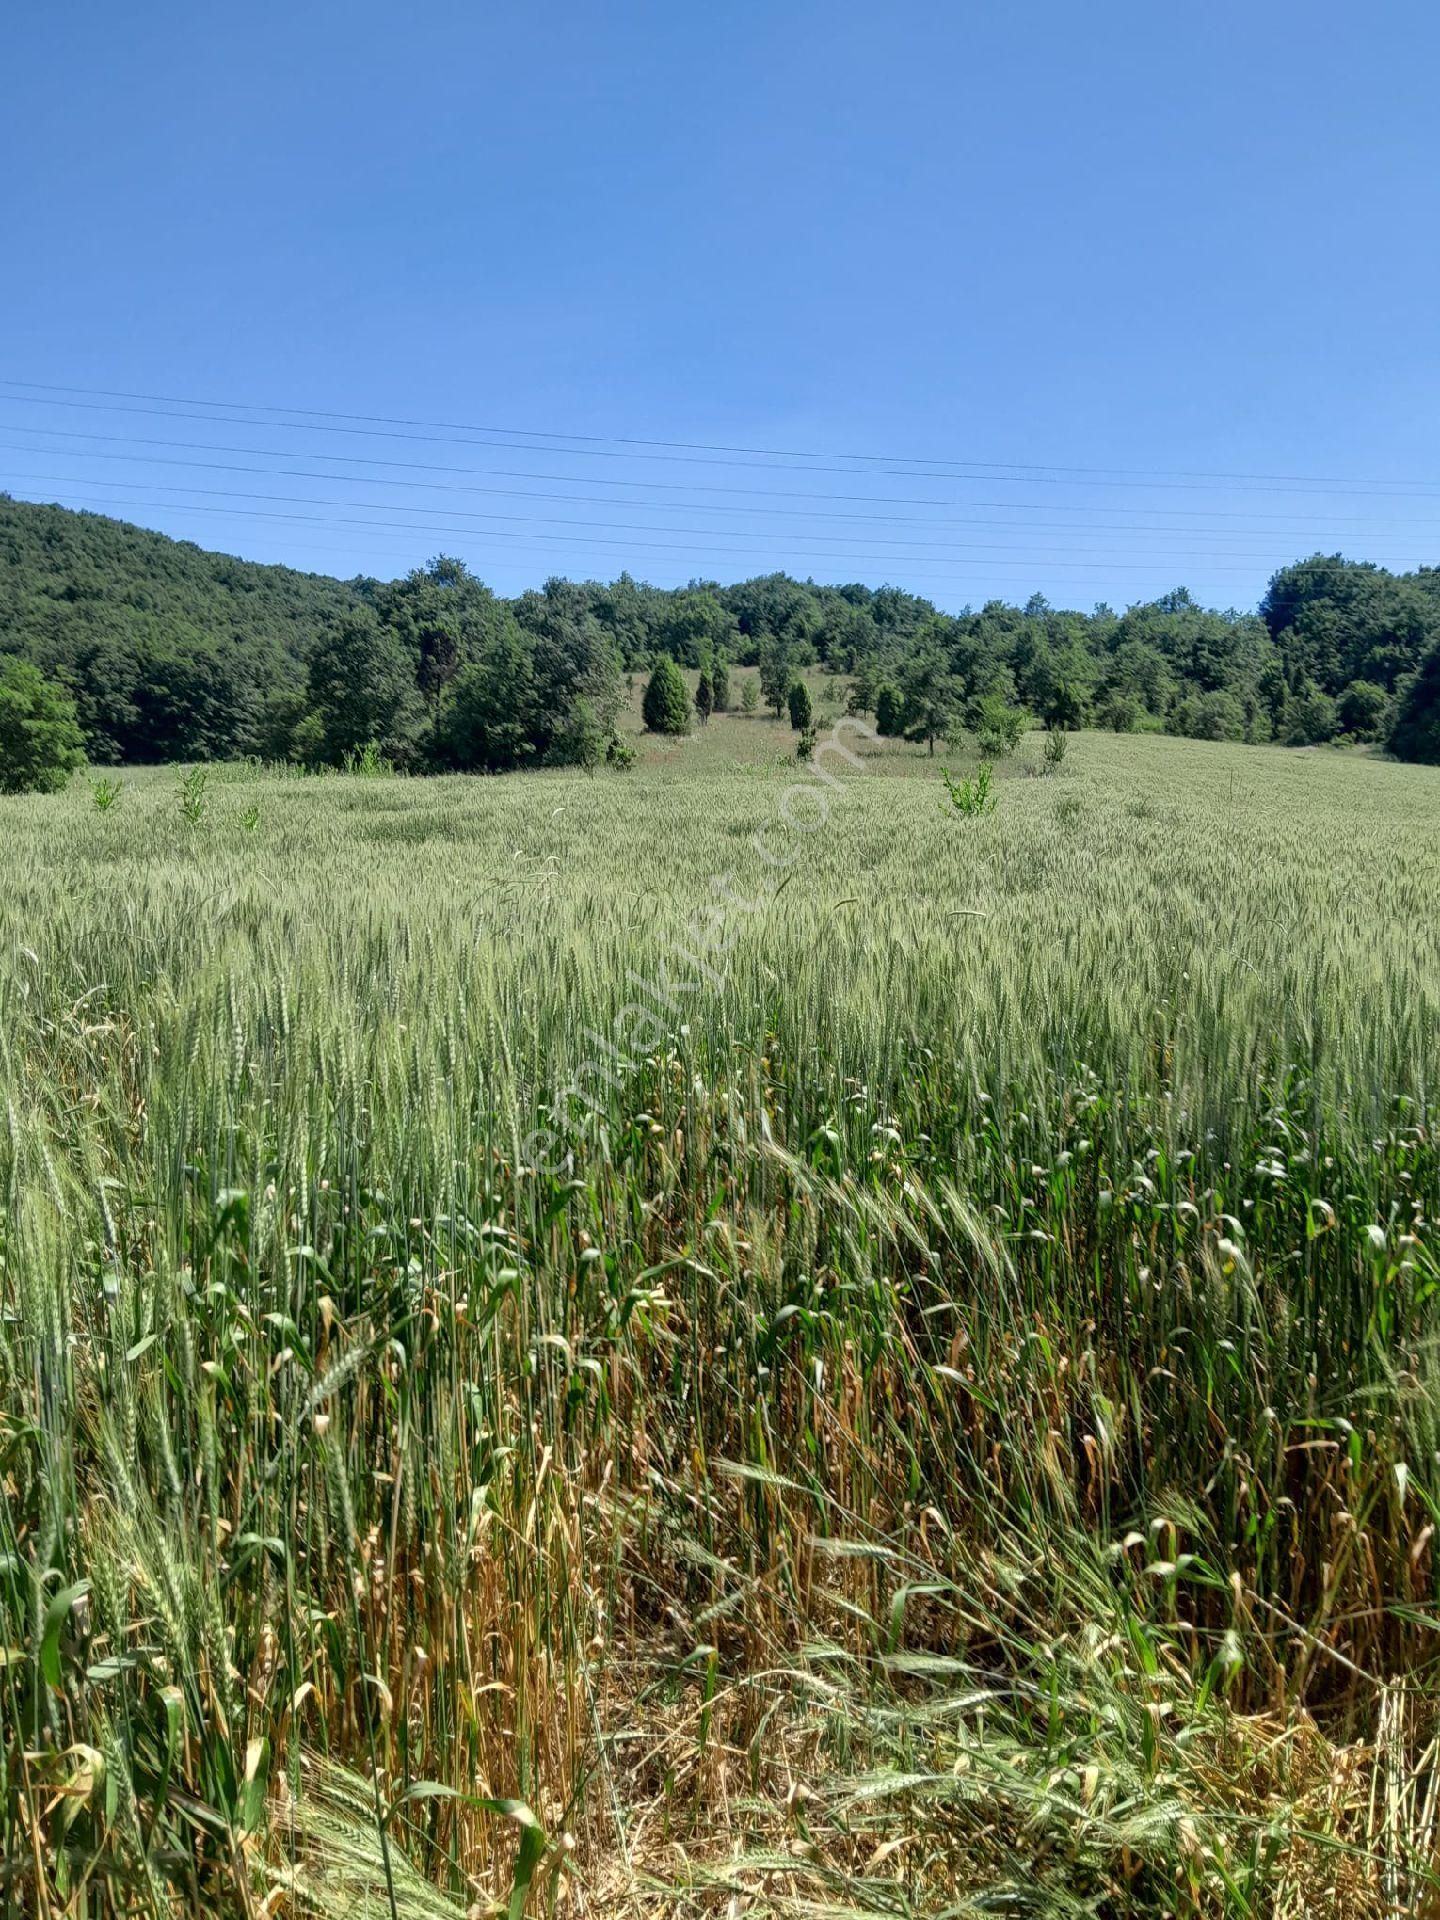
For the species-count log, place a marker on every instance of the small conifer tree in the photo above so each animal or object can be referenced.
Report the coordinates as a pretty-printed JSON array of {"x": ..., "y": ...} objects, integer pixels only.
[{"x": 666, "y": 706}]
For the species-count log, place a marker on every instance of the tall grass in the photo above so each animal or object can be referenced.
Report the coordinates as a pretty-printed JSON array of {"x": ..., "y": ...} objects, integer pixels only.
[{"x": 955, "y": 1428}]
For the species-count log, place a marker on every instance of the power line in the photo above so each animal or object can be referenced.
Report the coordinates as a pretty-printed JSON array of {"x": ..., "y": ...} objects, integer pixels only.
[
  {"x": 397, "y": 536},
  {"x": 1179, "y": 556},
  {"x": 668, "y": 486},
  {"x": 1029, "y": 566},
  {"x": 1014, "y": 478},
  {"x": 988, "y": 467},
  {"x": 515, "y": 493}
]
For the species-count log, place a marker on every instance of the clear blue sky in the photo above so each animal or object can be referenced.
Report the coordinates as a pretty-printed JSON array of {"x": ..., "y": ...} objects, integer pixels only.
[{"x": 1157, "y": 239}]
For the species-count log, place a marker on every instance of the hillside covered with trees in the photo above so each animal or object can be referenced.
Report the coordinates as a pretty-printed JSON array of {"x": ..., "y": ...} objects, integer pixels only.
[{"x": 174, "y": 653}]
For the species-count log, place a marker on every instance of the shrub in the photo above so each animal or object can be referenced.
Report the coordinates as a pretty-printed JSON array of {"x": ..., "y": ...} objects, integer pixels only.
[
  {"x": 889, "y": 711},
  {"x": 704, "y": 697},
  {"x": 1311, "y": 720},
  {"x": 801, "y": 713},
  {"x": 1119, "y": 711},
  {"x": 368, "y": 763},
  {"x": 998, "y": 726},
  {"x": 1057, "y": 745},
  {"x": 750, "y": 694},
  {"x": 972, "y": 797},
  {"x": 720, "y": 687},
  {"x": 1362, "y": 709},
  {"x": 41, "y": 744},
  {"x": 1210, "y": 716},
  {"x": 581, "y": 741},
  {"x": 666, "y": 705}
]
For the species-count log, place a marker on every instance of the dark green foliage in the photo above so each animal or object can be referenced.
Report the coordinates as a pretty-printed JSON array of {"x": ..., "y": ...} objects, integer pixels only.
[
  {"x": 1171, "y": 648},
  {"x": 777, "y": 671},
  {"x": 362, "y": 691},
  {"x": 801, "y": 712},
  {"x": 931, "y": 694},
  {"x": 171, "y": 653},
  {"x": 41, "y": 744},
  {"x": 175, "y": 654},
  {"x": 1362, "y": 710},
  {"x": 704, "y": 698},
  {"x": 580, "y": 741},
  {"x": 865, "y": 686},
  {"x": 666, "y": 705},
  {"x": 1311, "y": 718},
  {"x": 1064, "y": 706},
  {"x": 572, "y": 657},
  {"x": 539, "y": 685},
  {"x": 288, "y": 729},
  {"x": 626, "y": 610},
  {"x": 691, "y": 625},
  {"x": 1415, "y": 734},
  {"x": 889, "y": 710},
  {"x": 442, "y": 615},
  {"x": 1210, "y": 716},
  {"x": 776, "y": 608},
  {"x": 1337, "y": 620},
  {"x": 1135, "y": 677},
  {"x": 1118, "y": 711}
]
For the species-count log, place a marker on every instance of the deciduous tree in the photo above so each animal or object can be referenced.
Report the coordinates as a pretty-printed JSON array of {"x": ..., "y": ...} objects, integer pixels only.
[
  {"x": 1415, "y": 734},
  {"x": 41, "y": 744},
  {"x": 362, "y": 688}
]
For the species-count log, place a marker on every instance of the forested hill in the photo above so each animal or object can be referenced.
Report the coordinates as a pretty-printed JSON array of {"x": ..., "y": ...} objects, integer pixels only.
[{"x": 171, "y": 652}]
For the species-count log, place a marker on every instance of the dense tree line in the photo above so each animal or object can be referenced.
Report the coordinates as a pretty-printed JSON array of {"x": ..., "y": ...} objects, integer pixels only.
[{"x": 171, "y": 653}]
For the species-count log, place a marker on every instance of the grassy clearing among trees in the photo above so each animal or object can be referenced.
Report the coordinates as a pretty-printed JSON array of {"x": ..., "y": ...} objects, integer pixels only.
[{"x": 951, "y": 1425}]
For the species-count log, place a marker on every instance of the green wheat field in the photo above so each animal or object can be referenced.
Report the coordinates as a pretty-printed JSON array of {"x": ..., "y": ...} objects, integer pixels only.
[{"x": 661, "y": 1343}]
